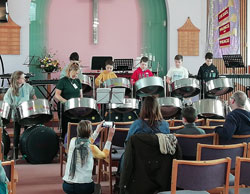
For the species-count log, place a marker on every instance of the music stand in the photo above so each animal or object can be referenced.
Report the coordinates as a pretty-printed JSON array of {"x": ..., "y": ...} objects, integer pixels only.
[
  {"x": 233, "y": 61},
  {"x": 123, "y": 64},
  {"x": 98, "y": 62},
  {"x": 118, "y": 95},
  {"x": 31, "y": 60}
]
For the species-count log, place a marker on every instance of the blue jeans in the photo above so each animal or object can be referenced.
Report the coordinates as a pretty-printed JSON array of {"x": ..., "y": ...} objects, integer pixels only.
[{"x": 78, "y": 188}]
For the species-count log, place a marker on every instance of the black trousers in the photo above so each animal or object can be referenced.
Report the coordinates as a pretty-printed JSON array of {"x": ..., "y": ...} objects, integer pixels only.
[
  {"x": 17, "y": 129},
  {"x": 78, "y": 188}
]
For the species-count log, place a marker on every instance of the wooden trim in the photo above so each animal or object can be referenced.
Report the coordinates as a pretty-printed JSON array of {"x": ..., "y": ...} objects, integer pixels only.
[
  {"x": 248, "y": 150},
  {"x": 14, "y": 176},
  {"x": 121, "y": 129},
  {"x": 124, "y": 123},
  {"x": 240, "y": 136},
  {"x": 198, "y": 136},
  {"x": 214, "y": 120},
  {"x": 174, "y": 128},
  {"x": 174, "y": 176},
  {"x": 221, "y": 147}
]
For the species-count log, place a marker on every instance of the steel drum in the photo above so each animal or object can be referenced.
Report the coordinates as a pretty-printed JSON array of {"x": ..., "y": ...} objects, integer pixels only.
[
  {"x": 79, "y": 108},
  {"x": 34, "y": 112},
  {"x": 5, "y": 112},
  {"x": 210, "y": 108},
  {"x": 120, "y": 82},
  {"x": 129, "y": 105},
  {"x": 169, "y": 106},
  {"x": 186, "y": 87},
  {"x": 86, "y": 84},
  {"x": 219, "y": 86},
  {"x": 149, "y": 86}
]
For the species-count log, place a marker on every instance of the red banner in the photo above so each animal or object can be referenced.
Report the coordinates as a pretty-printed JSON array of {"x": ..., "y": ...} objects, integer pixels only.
[
  {"x": 224, "y": 29},
  {"x": 225, "y": 42},
  {"x": 223, "y": 15}
]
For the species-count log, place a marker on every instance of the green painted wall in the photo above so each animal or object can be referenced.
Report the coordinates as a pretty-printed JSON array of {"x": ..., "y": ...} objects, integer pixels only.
[{"x": 154, "y": 32}]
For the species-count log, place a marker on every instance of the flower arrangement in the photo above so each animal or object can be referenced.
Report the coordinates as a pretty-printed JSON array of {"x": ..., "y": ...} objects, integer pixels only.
[{"x": 49, "y": 64}]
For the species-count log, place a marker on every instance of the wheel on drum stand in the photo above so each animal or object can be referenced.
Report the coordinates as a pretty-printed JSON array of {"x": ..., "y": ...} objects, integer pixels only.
[
  {"x": 6, "y": 142},
  {"x": 39, "y": 144}
]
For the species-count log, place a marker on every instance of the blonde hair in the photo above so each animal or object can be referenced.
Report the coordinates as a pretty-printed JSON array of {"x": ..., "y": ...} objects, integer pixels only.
[
  {"x": 74, "y": 66},
  {"x": 14, "y": 82}
]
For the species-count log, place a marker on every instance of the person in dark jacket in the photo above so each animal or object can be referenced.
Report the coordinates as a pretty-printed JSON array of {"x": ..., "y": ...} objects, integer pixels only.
[
  {"x": 206, "y": 73},
  {"x": 146, "y": 169},
  {"x": 189, "y": 116},
  {"x": 238, "y": 121}
]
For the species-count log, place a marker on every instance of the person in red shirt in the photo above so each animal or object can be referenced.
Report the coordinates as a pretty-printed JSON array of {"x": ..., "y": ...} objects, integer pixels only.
[{"x": 141, "y": 71}]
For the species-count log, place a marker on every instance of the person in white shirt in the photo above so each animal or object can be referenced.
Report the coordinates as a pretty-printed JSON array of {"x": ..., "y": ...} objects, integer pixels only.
[
  {"x": 178, "y": 72},
  {"x": 80, "y": 162}
]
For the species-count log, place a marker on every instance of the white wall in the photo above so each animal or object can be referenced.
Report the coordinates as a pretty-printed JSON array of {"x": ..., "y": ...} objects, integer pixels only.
[
  {"x": 178, "y": 12},
  {"x": 19, "y": 12}
]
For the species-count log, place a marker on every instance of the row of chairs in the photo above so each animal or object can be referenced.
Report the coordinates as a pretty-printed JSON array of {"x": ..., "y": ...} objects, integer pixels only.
[
  {"x": 203, "y": 176},
  {"x": 198, "y": 122}
]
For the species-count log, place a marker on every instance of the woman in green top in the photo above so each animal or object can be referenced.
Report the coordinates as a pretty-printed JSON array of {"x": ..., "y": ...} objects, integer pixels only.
[
  {"x": 18, "y": 92},
  {"x": 66, "y": 88}
]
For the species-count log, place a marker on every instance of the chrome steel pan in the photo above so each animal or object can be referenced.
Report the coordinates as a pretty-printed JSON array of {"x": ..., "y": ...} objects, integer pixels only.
[
  {"x": 78, "y": 108},
  {"x": 149, "y": 86},
  {"x": 210, "y": 108},
  {"x": 34, "y": 112},
  {"x": 186, "y": 87},
  {"x": 86, "y": 84},
  {"x": 170, "y": 106},
  {"x": 120, "y": 82},
  {"x": 5, "y": 112},
  {"x": 219, "y": 86},
  {"x": 129, "y": 105}
]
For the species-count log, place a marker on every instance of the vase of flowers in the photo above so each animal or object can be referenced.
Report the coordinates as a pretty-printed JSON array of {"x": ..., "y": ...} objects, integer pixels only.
[{"x": 49, "y": 64}]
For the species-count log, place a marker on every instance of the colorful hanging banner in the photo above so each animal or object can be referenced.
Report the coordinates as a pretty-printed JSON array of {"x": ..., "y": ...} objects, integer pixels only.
[{"x": 224, "y": 38}]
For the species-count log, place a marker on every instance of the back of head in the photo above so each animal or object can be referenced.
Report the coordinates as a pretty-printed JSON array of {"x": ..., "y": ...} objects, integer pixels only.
[
  {"x": 144, "y": 59},
  {"x": 74, "y": 56},
  {"x": 14, "y": 81},
  {"x": 84, "y": 129},
  {"x": 240, "y": 98},
  {"x": 189, "y": 113},
  {"x": 74, "y": 66},
  {"x": 178, "y": 57},
  {"x": 151, "y": 110},
  {"x": 209, "y": 55}
]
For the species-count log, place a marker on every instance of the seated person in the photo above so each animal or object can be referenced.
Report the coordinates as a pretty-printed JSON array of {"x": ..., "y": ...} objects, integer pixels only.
[
  {"x": 79, "y": 167},
  {"x": 141, "y": 71},
  {"x": 106, "y": 74},
  {"x": 151, "y": 120},
  {"x": 3, "y": 180},
  {"x": 189, "y": 116},
  {"x": 74, "y": 58},
  {"x": 238, "y": 121}
]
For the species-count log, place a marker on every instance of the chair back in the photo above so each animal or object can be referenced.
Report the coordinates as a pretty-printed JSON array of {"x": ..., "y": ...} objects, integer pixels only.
[
  {"x": 242, "y": 175},
  {"x": 189, "y": 143},
  {"x": 212, "y": 152},
  {"x": 200, "y": 175},
  {"x": 215, "y": 122},
  {"x": 120, "y": 136},
  {"x": 235, "y": 140},
  {"x": 177, "y": 122},
  {"x": 176, "y": 128},
  {"x": 72, "y": 132},
  {"x": 123, "y": 124},
  {"x": 9, "y": 167},
  {"x": 208, "y": 129}
]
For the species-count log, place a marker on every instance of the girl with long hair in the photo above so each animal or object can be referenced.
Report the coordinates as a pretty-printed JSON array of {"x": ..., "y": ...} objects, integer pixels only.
[{"x": 18, "y": 92}]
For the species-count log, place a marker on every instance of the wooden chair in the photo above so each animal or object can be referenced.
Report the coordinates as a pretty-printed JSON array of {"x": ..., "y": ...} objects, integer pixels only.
[
  {"x": 170, "y": 122},
  {"x": 123, "y": 124},
  {"x": 208, "y": 129},
  {"x": 198, "y": 122},
  {"x": 215, "y": 122},
  {"x": 189, "y": 143},
  {"x": 242, "y": 176},
  {"x": 175, "y": 129},
  {"x": 71, "y": 132},
  {"x": 212, "y": 152},
  {"x": 12, "y": 175},
  {"x": 189, "y": 175},
  {"x": 235, "y": 140},
  {"x": 105, "y": 166},
  {"x": 248, "y": 150}
]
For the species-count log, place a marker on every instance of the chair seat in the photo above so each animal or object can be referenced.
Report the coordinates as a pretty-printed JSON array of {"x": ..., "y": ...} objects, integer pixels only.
[
  {"x": 241, "y": 191},
  {"x": 185, "y": 192},
  {"x": 231, "y": 179}
]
